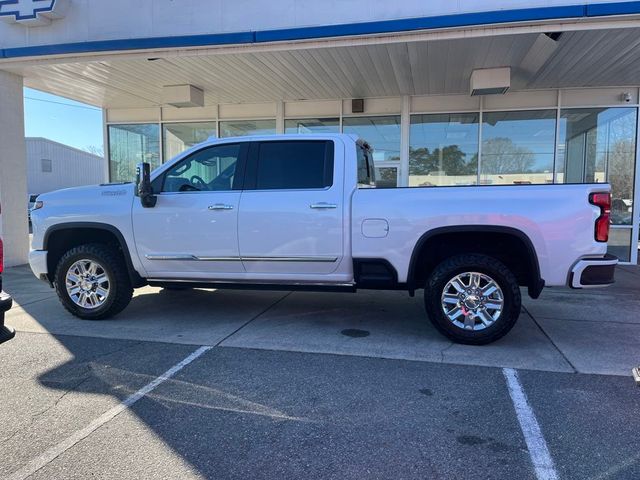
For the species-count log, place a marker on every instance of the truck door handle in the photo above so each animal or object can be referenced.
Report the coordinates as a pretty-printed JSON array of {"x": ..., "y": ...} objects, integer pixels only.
[
  {"x": 323, "y": 205},
  {"x": 220, "y": 206}
]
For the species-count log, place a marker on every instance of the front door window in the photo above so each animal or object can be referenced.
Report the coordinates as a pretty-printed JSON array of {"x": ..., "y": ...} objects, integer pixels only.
[{"x": 209, "y": 170}]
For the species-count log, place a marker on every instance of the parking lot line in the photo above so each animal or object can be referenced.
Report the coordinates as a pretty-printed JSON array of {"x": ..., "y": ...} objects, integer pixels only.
[
  {"x": 57, "y": 450},
  {"x": 536, "y": 444}
]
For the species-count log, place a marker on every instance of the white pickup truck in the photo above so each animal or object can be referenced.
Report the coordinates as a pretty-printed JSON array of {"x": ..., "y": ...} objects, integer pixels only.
[{"x": 301, "y": 212}]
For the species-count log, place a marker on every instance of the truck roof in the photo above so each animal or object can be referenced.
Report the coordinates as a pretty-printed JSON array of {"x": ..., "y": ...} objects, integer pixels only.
[
  {"x": 284, "y": 136},
  {"x": 348, "y": 137}
]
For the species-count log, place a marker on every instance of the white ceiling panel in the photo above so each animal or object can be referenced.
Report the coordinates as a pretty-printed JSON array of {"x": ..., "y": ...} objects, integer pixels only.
[{"x": 587, "y": 58}]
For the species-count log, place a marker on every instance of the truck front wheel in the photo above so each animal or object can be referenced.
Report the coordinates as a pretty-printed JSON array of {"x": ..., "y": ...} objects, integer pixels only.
[
  {"x": 92, "y": 282},
  {"x": 472, "y": 299}
]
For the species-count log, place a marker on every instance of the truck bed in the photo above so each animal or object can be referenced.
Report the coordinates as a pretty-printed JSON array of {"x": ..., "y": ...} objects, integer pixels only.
[{"x": 558, "y": 220}]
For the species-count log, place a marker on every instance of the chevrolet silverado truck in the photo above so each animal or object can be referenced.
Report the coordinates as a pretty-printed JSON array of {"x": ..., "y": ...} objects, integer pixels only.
[{"x": 302, "y": 212}]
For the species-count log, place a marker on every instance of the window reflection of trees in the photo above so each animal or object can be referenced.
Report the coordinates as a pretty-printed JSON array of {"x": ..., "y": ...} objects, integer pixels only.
[
  {"x": 598, "y": 145},
  {"x": 449, "y": 159},
  {"x": 502, "y": 156}
]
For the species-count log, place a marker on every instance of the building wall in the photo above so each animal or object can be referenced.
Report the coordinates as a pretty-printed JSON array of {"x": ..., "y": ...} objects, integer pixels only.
[
  {"x": 92, "y": 20},
  {"x": 70, "y": 167},
  {"x": 13, "y": 183}
]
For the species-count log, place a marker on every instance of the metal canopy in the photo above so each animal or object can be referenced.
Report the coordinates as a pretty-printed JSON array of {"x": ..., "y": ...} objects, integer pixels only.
[{"x": 576, "y": 59}]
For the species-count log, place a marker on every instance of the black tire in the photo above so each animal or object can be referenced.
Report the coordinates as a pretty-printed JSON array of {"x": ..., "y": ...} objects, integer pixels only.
[
  {"x": 486, "y": 265},
  {"x": 120, "y": 289}
]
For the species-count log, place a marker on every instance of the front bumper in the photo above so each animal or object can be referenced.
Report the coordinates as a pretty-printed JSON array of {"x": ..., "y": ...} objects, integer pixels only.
[
  {"x": 593, "y": 272},
  {"x": 6, "y": 333},
  {"x": 38, "y": 264}
]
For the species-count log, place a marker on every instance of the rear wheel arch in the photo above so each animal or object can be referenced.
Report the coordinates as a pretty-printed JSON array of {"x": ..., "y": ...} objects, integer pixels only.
[
  {"x": 58, "y": 239},
  {"x": 441, "y": 243}
]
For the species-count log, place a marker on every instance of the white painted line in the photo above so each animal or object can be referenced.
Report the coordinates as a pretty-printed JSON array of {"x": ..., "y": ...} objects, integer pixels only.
[
  {"x": 54, "y": 452},
  {"x": 538, "y": 450}
]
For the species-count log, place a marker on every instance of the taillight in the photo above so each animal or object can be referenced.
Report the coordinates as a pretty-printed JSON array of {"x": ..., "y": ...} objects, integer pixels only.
[{"x": 602, "y": 200}]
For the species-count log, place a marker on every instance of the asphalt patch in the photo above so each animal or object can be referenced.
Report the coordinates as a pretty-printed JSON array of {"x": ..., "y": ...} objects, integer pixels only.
[{"x": 355, "y": 333}]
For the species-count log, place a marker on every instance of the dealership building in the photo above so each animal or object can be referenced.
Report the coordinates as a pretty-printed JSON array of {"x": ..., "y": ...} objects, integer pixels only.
[{"x": 449, "y": 93}]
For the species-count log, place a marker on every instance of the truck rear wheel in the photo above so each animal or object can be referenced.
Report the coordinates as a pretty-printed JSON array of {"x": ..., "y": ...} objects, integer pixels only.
[
  {"x": 92, "y": 282},
  {"x": 472, "y": 299}
]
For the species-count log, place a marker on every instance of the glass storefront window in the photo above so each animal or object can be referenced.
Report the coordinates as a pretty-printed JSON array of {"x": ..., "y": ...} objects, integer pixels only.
[
  {"x": 386, "y": 175},
  {"x": 518, "y": 147},
  {"x": 312, "y": 125},
  {"x": 178, "y": 137},
  {"x": 620, "y": 243},
  {"x": 130, "y": 145},
  {"x": 599, "y": 145},
  {"x": 383, "y": 134},
  {"x": 443, "y": 150},
  {"x": 242, "y": 128}
]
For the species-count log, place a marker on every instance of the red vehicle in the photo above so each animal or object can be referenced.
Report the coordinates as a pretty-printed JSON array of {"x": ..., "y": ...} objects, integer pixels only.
[{"x": 6, "y": 333}]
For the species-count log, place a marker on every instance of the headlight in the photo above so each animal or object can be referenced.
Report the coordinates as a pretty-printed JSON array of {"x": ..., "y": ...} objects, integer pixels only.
[{"x": 38, "y": 205}]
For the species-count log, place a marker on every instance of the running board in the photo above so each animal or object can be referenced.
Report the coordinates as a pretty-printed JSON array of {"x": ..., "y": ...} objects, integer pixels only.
[{"x": 299, "y": 287}]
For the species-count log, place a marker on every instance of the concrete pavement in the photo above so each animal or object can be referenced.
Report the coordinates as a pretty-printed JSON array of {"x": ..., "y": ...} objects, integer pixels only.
[{"x": 587, "y": 331}]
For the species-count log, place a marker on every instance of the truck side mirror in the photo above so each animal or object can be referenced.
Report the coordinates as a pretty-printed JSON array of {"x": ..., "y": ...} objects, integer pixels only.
[{"x": 144, "y": 190}]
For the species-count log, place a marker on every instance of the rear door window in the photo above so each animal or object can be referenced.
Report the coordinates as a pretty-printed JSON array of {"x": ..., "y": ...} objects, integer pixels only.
[{"x": 291, "y": 165}]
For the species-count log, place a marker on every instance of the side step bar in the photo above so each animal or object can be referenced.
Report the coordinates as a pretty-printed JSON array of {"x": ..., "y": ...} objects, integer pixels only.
[{"x": 299, "y": 287}]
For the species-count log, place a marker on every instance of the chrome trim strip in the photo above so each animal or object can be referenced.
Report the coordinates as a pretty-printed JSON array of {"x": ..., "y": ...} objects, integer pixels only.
[
  {"x": 170, "y": 257},
  {"x": 251, "y": 282},
  {"x": 192, "y": 258},
  {"x": 187, "y": 257},
  {"x": 291, "y": 259},
  {"x": 219, "y": 259},
  {"x": 323, "y": 205}
]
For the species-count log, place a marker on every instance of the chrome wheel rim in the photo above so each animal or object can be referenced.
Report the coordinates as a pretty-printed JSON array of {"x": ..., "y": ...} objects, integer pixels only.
[
  {"x": 88, "y": 284},
  {"x": 472, "y": 301}
]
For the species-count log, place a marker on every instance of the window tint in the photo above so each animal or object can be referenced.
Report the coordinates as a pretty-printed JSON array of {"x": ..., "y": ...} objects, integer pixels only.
[
  {"x": 210, "y": 170},
  {"x": 294, "y": 165},
  {"x": 366, "y": 174}
]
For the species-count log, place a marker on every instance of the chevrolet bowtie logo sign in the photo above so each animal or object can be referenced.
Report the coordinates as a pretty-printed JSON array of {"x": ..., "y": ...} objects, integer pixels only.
[{"x": 32, "y": 12}]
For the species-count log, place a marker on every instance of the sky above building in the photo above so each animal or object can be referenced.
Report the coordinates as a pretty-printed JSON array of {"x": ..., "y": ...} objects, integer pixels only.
[{"x": 62, "y": 120}]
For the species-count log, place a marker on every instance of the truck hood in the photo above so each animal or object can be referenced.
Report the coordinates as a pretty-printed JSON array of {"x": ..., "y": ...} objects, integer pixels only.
[{"x": 92, "y": 193}]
